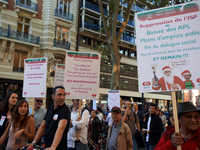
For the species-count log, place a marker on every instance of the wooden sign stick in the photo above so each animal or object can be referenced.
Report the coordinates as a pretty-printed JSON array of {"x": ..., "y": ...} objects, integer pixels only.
[
  {"x": 78, "y": 132},
  {"x": 33, "y": 107},
  {"x": 175, "y": 115}
]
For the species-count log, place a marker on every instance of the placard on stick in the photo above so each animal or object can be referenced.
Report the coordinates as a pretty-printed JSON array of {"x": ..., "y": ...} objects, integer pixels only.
[{"x": 169, "y": 41}]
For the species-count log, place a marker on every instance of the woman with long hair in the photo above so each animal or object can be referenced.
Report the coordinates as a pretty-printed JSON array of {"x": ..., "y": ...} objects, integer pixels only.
[
  {"x": 21, "y": 127},
  {"x": 6, "y": 109}
]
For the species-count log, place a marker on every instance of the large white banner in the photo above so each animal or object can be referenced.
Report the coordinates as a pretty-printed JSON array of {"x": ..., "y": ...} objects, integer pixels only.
[
  {"x": 59, "y": 75},
  {"x": 35, "y": 71},
  {"x": 82, "y": 71},
  {"x": 168, "y": 48},
  {"x": 113, "y": 99}
]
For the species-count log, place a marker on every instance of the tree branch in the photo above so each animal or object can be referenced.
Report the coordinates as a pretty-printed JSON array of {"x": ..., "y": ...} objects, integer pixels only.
[
  {"x": 114, "y": 22},
  {"x": 124, "y": 23},
  {"x": 104, "y": 19}
]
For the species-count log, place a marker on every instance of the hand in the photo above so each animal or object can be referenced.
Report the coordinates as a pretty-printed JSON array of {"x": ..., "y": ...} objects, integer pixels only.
[
  {"x": 175, "y": 87},
  {"x": 176, "y": 139},
  {"x": 155, "y": 83},
  {"x": 148, "y": 131},
  {"x": 78, "y": 119},
  {"x": 127, "y": 110},
  {"x": 18, "y": 133},
  {"x": 143, "y": 130},
  {"x": 32, "y": 115},
  {"x": 30, "y": 145}
]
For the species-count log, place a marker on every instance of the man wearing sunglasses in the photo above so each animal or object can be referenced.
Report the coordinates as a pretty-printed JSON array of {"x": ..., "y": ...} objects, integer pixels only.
[
  {"x": 39, "y": 114},
  {"x": 189, "y": 136}
]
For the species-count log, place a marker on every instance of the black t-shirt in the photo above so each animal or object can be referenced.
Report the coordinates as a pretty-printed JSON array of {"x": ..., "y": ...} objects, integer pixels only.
[{"x": 52, "y": 119}]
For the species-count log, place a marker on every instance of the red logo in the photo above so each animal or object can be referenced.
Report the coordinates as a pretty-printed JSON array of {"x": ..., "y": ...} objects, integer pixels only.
[
  {"x": 25, "y": 92},
  {"x": 94, "y": 95},
  {"x": 198, "y": 80},
  {"x": 42, "y": 93},
  {"x": 67, "y": 93},
  {"x": 148, "y": 83}
]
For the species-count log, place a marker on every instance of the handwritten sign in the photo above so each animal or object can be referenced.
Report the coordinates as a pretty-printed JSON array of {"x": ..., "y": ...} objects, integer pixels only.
[
  {"x": 82, "y": 75},
  {"x": 113, "y": 99},
  {"x": 59, "y": 75}
]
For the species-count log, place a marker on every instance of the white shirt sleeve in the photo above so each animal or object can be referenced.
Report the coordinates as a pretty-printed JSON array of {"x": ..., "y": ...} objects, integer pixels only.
[{"x": 83, "y": 122}]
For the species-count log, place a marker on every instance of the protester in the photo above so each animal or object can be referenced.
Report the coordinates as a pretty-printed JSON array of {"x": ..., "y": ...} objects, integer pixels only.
[
  {"x": 139, "y": 113},
  {"x": 109, "y": 119},
  {"x": 119, "y": 134},
  {"x": 189, "y": 136},
  {"x": 158, "y": 111},
  {"x": 39, "y": 114},
  {"x": 79, "y": 124},
  {"x": 164, "y": 120},
  {"x": 6, "y": 109},
  {"x": 55, "y": 123},
  {"x": 171, "y": 118},
  {"x": 21, "y": 128},
  {"x": 99, "y": 114},
  {"x": 95, "y": 126},
  {"x": 152, "y": 128},
  {"x": 132, "y": 120}
]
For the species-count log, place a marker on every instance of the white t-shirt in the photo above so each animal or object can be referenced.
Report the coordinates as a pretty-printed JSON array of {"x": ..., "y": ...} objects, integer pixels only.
[{"x": 148, "y": 128}]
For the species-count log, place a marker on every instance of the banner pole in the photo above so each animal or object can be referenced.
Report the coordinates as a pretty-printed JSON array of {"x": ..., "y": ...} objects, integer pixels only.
[
  {"x": 78, "y": 132},
  {"x": 175, "y": 115},
  {"x": 33, "y": 107}
]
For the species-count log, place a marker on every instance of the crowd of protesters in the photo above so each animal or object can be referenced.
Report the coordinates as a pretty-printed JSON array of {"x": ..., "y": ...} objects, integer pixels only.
[{"x": 61, "y": 128}]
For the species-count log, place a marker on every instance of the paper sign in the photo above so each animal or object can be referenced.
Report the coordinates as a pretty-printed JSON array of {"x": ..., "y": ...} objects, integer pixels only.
[
  {"x": 34, "y": 84},
  {"x": 168, "y": 48},
  {"x": 94, "y": 104},
  {"x": 113, "y": 99},
  {"x": 59, "y": 75},
  {"x": 82, "y": 71}
]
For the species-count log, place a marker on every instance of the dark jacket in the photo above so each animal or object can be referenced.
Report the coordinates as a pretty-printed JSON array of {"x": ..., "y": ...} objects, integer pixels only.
[{"x": 155, "y": 129}]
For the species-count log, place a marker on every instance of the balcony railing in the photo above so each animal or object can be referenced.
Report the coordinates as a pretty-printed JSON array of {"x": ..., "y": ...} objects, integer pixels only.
[
  {"x": 93, "y": 7},
  {"x": 128, "y": 38},
  {"x": 91, "y": 26},
  {"x": 27, "y": 4},
  {"x": 7, "y": 32},
  {"x": 64, "y": 15},
  {"x": 61, "y": 44}
]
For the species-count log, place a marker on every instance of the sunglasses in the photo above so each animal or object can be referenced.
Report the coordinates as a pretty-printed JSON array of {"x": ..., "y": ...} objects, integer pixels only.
[{"x": 39, "y": 101}]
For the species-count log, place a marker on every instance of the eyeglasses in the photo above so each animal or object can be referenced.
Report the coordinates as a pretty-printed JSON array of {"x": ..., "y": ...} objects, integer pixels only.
[
  {"x": 189, "y": 117},
  {"x": 39, "y": 101}
]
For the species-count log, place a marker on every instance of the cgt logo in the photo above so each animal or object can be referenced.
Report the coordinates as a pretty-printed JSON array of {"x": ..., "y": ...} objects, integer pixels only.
[
  {"x": 198, "y": 80},
  {"x": 148, "y": 83}
]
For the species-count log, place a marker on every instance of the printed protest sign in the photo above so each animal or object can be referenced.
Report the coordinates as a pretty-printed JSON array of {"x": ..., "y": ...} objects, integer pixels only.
[
  {"x": 168, "y": 48},
  {"x": 113, "y": 99},
  {"x": 34, "y": 84},
  {"x": 59, "y": 75},
  {"x": 94, "y": 102},
  {"x": 82, "y": 75}
]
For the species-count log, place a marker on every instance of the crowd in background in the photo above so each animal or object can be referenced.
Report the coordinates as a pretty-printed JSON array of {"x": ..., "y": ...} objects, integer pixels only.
[{"x": 62, "y": 127}]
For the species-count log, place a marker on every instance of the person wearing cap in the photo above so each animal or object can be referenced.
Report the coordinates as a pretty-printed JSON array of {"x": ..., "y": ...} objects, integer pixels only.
[
  {"x": 119, "y": 134},
  {"x": 189, "y": 136},
  {"x": 168, "y": 81},
  {"x": 188, "y": 83}
]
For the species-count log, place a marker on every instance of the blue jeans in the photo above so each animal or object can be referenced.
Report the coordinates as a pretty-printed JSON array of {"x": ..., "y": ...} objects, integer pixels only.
[
  {"x": 135, "y": 144},
  {"x": 79, "y": 146},
  {"x": 149, "y": 146}
]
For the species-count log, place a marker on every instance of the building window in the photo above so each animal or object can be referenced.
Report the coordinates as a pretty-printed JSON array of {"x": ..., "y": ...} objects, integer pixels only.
[
  {"x": 19, "y": 57},
  {"x": 63, "y": 6},
  {"x": 61, "y": 35},
  {"x": 23, "y": 25},
  {"x": 26, "y": 2}
]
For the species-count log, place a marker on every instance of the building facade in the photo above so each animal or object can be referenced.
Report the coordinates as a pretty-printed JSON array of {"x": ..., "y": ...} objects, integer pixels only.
[{"x": 34, "y": 29}]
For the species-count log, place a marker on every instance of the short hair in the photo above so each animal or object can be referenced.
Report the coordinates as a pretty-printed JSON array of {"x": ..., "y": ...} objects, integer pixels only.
[
  {"x": 135, "y": 103},
  {"x": 152, "y": 104},
  {"x": 55, "y": 88}
]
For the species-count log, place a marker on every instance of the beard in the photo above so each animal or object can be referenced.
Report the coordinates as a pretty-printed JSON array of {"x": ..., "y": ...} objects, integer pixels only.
[{"x": 169, "y": 79}]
